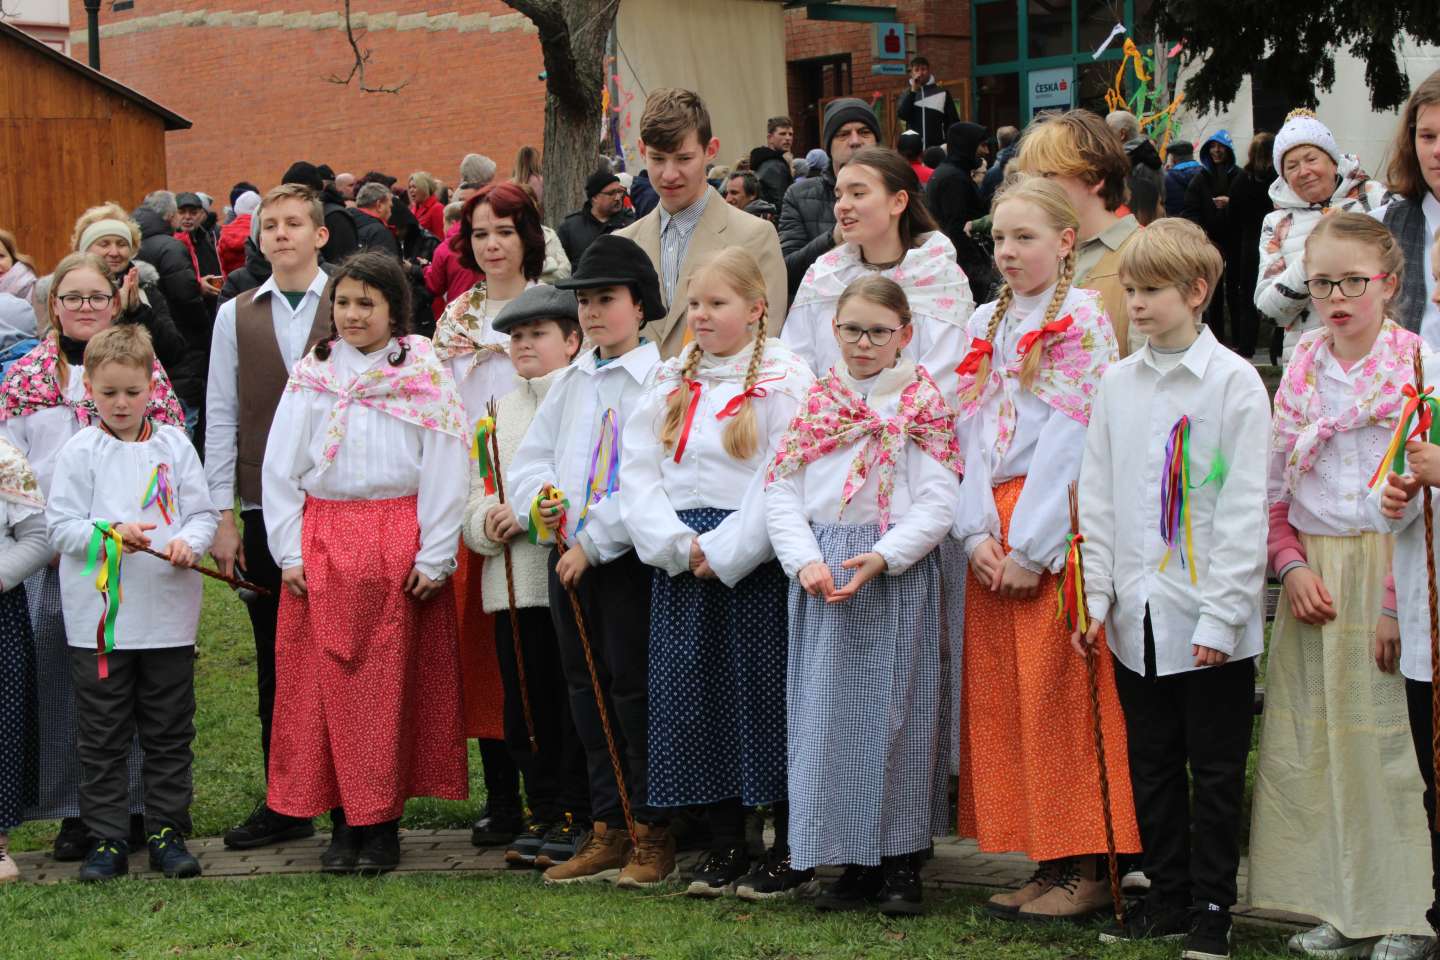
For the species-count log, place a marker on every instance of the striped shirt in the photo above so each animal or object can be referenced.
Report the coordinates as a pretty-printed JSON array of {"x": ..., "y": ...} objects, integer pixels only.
[{"x": 676, "y": 229}]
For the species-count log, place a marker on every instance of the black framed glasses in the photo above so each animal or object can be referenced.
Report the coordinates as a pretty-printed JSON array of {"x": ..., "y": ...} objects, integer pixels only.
[
  {"x": 878, "y": 336},
  {"x": 76, "y": 301},
  {"x": 1321, "y": 289},
  {"x": 614, "y": 194}
]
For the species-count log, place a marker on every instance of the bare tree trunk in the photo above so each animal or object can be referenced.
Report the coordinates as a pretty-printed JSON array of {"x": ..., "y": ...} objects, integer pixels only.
[{"x": 573, "y": 35}]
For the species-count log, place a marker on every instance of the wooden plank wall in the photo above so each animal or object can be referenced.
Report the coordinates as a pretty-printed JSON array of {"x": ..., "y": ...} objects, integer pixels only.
[{"x": 67, "y": 143}]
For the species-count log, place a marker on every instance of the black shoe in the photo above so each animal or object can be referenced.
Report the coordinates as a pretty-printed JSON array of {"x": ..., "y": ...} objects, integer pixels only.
[
  {"x": 264, "y": 827},
  {"x": 106, "y": 860},
  {"x": 857, "y": 888},
  {"x": 561, "y": 843},
  {"x": 900, "y": 894},
  {"x": 73, "y": 842},
  {"x": 774, "y": 878},
  {"x": 169, "y": 856},
  {"x": 344, "y": 849},
  {"x": 380, "y": 849},
  {"x": 523, "y": 849},
  {"x": 1146, "y": 920},
  {"x": 717, "y": 873},
  {"x": 494, "y": 829},
  {"x": 1209, "y": 937}
]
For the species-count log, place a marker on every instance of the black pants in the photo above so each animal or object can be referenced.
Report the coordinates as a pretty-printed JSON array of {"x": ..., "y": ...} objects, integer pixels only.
[
  {"x": 1201, "y": 719},
  {"x": 502, "y": 777},
  {"x": 1417, "y": 698},
  {"x": 264, "y": 613},
  {"x": 615, "y": 601},
  {"x": 556, "y": 781},
  {"x": 149, "y": 692}
]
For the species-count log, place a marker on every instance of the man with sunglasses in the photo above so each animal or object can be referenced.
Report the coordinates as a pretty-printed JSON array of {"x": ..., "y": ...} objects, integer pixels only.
[{"x": 604, "y": 212}]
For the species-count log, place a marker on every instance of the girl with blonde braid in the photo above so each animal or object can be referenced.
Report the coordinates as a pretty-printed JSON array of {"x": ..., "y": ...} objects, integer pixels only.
[
  {"x": 1028, "y": 772},
  {"x": 691, "y": 476}
]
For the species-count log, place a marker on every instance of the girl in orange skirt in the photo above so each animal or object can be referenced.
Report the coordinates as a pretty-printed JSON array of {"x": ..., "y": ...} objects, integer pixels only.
[{"x": 1029, "y": 778}]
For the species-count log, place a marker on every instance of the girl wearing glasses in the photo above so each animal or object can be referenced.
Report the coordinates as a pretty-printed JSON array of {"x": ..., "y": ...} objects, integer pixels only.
[
  {"x": 1336, "y": 832},
  {"x": 43, "y": 403},
  {"x": 1028, "y": 773},
  {"x": 882, "y": 227}
]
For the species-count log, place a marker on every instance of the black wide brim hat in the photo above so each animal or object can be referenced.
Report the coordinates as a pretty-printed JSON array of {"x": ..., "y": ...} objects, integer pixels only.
[{"x": 612, "y": 261}]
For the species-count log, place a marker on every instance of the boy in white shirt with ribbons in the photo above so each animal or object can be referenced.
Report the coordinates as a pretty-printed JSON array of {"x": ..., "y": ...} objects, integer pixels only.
[{"x": 1172, "y": 510}]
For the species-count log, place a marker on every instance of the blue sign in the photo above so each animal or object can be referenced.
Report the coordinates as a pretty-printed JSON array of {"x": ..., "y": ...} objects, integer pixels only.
[{"x": 887, "y": 41}]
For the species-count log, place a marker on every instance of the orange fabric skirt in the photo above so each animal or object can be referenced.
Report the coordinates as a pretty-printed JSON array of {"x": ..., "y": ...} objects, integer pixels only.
[
  {"x": 1029, "y": 778},
  {"x": 482, "y": 693}
]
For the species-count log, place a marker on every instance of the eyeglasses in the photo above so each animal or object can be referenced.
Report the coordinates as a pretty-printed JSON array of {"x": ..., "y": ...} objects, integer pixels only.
[
  {"x": 613, "y": 194},
  {"x": 878, "y": 336},
  {"x": 1349, "y": 286},
  {"x": 75, "y": 301}
]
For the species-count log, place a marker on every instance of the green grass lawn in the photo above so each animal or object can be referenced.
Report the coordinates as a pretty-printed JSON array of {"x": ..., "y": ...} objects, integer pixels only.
[{"x": 472, "y": 915}]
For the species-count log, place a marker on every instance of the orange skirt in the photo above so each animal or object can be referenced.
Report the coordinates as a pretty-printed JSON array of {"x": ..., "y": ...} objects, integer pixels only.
[
  {"x": 482, "y": 692},
  {"x": 1029, "y": 778}
]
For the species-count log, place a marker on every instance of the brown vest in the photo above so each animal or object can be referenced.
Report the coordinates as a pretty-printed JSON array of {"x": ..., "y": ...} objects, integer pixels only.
[
  {"x": 1104, "y": 279},
  {"x": 260, "y": 381}
]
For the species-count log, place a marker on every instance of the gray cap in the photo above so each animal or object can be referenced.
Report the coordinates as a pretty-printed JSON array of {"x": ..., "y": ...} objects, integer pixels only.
[
  {"x": 188, "y": 199},
  {"x": 540, "y": 302}
]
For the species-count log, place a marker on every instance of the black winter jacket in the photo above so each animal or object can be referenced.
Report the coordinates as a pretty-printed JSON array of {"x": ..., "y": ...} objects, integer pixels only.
[
  {"x": 954, "y": 200},
  {"x": 171, "y": 347},
  {"x": 807, "y": 225},
  {"x": 375, "y": 234},
  {"x": 255, "y": 272},
  {"x": 579, "y": 230},
  {"x": 773, "y": 171},
  {"x": 344, "y": 239},
  {"x": 179, "y": 289}
]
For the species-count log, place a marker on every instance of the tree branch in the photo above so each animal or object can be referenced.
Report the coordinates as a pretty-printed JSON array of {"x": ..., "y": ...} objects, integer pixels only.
[{"x": 362, "y": 57}]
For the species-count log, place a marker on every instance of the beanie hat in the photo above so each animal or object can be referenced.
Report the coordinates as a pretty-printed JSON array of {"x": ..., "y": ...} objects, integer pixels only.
[
  {"x": 106, "y": 228},
  {"x": 1302, "y": 128},
  {"x": 247, "y": 202},
  {"x": 615, "y": 261},
  {"x": 598, "y": 181},
  {"x": 540, "y": 302},
  {"x": 848, "y": 110},
  {"x": 305, "y": 174},
  {"x": 819, "y": 160}
]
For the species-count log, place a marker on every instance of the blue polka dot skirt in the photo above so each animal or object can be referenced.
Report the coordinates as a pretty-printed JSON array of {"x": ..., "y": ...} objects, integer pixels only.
[
  {"x": 717, "y": 684},
  {"x": 19, "y": 747}
]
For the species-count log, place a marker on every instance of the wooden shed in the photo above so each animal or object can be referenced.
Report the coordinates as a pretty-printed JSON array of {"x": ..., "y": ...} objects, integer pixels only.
[{"x": 70, "y": 137}]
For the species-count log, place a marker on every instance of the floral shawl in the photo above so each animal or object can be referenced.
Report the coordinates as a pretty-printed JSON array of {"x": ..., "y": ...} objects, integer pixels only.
[
  {"x": 835, "y": 416},
  {"x": 1300, "y": 432},
  {"x": 33, "y": 384},
  {"x": 17, "y": 480},
  {"x": 419, "y": 391},
  {"x": 1078, "y": 347},
  {"x": 462, "y": 328},
  {"x": 934, "y": 283}
]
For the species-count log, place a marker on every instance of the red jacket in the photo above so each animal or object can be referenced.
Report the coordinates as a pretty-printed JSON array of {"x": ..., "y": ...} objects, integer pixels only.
[
  {"x": 922, "y": 171},
  {"x": 431, "y": 216},
  {"x": 445, "y": 278},
  {"x": 232, "y": 243}
]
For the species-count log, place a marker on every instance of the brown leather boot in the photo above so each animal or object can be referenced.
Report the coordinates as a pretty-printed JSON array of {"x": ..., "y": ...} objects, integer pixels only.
[
  {"x": 599, "y": 858},
  {"x": 1080, "y": 891},
  {"x": 1006, "y": 905},
  {"x": 653, "y": 861}
]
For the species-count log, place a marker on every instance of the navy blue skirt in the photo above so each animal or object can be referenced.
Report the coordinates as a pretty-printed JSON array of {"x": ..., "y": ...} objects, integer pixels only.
[
  {"x": 19, "y": 743},
  {"x": 717, "y": 684}
]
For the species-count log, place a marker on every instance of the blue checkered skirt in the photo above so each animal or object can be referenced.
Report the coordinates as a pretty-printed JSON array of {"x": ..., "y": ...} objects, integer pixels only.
[
  {"x": 868, "y": 698},
  {"x": 717, "y": 684}
]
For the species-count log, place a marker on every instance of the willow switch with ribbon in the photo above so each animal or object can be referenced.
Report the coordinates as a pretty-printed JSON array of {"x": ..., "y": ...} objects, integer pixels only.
[
  {"x": 482, "y": 452},
  {"x": 490, "y": 473},
  {"x": 102, "y": 558}
]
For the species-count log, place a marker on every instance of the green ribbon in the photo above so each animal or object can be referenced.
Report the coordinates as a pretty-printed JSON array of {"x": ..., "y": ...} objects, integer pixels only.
[{"x": 102, "y": 558}]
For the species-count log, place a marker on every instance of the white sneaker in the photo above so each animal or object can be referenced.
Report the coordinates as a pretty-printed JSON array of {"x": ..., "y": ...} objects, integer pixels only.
[
  {"x": 1135, "y": 884},
  {"x": 9, "y": 871},
  {"x": 1400, "y": 946},
  {"x": 1326, "y": 941}
]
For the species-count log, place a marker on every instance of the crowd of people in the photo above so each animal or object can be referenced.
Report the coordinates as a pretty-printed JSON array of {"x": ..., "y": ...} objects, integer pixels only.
[{"x": 685, "y": 512}]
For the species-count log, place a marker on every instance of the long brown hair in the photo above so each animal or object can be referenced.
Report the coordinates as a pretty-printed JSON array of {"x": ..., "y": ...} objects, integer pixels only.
[
  {"x": 895, "y": 175},
  {"x": 1404, "y": 174},
  {"x": 1055, "y": 206},
  {"x": 737, "y": 268},
  {"x": 7, "y": 240}
]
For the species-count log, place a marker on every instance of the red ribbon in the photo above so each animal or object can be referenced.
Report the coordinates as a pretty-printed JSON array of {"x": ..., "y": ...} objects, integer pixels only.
[
  {"x": 733, "y": 407},
  {"x": 1028, "y": 341},
  {"x": 694, "y": 388},
  {"x": 979, "y": 350}
]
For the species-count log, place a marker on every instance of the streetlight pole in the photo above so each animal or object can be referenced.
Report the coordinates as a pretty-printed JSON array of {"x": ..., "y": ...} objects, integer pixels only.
[{"x": 92, "y": 17}]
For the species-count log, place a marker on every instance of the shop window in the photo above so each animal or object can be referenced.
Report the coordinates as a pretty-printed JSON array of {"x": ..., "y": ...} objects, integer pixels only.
[
  {"x": 997, "y": 32},
  {"x": 1049, "y": 22},
  {"x": 999, "y": 100}
]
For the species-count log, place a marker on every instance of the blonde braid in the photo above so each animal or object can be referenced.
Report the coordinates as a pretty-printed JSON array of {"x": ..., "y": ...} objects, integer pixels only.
[
  {"x": 740, "y": 437},
  {"x": 1030, "y": 368},
  {"x": 982, "y": 372},
  {"x": 679, "y": 400}
]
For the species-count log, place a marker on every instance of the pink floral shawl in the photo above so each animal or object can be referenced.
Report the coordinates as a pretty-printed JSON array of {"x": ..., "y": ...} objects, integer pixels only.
[
  {"x": 1300, "y": 432},
  {"x": 934, "y": 284},
  {"x": 419, "y": 391},
  {"x": 834, "y": 416},
  {"x": 33, "y": 384},
  {"x": 462, "y": 327},
  {"x": 1071, "y": 366}
]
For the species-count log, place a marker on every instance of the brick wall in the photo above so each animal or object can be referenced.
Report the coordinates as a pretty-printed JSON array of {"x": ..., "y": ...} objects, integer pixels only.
[
  {"x": 251, "y": 77},
  {"x": 941, "y": 35}
]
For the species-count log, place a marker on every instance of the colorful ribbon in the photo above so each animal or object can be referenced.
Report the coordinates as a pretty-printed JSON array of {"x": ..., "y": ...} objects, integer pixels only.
[
  {"x": 539, "y": 532},
  {"x": 1420, "y": 409},
  {"x": 979, "y": 350},
  {"x": 1028, "y": 341},
  {"x": 160, "y": 493},
  {"x": 1071, "y": 588},
  {"x": 103, "y": 558},
  {"x": 604, "y": 478},
  {"x": 480, "y": 452},
  {"x": 694, "y": 387},
  {"x": 1175, "y": 499},
  {"x": 737, "y": 402}
]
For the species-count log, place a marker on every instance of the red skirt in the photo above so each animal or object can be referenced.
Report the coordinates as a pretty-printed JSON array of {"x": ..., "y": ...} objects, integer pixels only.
[
  {"x": 482, "y": 691},
  {"x": 367, "y": 692}
]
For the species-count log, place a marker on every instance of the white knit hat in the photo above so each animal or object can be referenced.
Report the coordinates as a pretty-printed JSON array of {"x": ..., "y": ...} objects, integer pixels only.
[
  {"x": 247, "y": 202},
  {"x": 1303, "y": 128}
]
